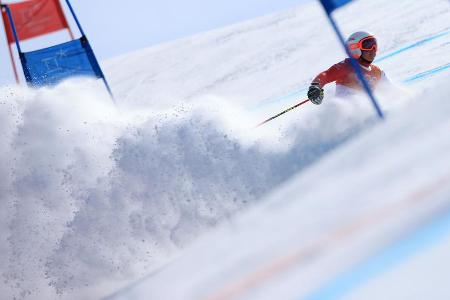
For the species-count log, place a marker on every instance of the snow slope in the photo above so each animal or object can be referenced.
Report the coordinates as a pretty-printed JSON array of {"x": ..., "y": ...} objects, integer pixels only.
[
  {"x": 337, "y": 229},
  {"x": 94, "y": 196}
]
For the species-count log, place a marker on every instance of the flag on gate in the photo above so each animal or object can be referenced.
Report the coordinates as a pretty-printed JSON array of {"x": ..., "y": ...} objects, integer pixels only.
[
  {"x": 34, "y": 18},
  {"x": 331, "y": 5},
  {"x": 53, "y": 64}
]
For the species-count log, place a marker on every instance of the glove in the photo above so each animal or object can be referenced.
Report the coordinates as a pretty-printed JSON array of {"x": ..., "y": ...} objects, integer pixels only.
[{"x": 315, "y": 93}]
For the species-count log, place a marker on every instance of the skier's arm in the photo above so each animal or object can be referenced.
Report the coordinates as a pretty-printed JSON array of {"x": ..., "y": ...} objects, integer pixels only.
[
  {"x": 330, "y": 75},
  {"x": 315, "y": 92}
]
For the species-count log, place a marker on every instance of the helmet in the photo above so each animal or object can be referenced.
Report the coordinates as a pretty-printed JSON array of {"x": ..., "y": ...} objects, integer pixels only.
[{"x": 361, "y": 40}]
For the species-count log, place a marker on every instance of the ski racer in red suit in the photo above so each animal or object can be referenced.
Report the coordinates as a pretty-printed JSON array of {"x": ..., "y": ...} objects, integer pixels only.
[{"x": 363, "y": 47}]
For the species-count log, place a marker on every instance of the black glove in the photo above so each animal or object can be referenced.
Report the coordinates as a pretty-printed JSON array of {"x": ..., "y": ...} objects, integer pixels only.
[{"x": 315, "y": 93}]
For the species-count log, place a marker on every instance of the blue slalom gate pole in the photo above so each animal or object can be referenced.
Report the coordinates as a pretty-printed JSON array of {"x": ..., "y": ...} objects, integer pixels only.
[
  {"x": 84, "y": 35},
  {"x": 16, "y": 38},
  {"x": 13, "y": 26}
]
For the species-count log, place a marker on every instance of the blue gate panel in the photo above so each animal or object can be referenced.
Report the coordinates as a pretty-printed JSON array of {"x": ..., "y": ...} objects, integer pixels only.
[{"x": 51, "y": 65}]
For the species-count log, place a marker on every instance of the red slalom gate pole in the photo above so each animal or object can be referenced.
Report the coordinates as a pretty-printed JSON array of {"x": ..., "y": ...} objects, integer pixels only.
[{"x": 283, "y": 112}]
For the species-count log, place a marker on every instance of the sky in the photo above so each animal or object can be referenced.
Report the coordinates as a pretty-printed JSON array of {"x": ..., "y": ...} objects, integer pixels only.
[{"x": 117, "y": 27}]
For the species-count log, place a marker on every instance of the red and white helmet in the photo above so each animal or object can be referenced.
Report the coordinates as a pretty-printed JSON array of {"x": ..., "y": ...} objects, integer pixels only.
[{"x": 361, "y": 40}]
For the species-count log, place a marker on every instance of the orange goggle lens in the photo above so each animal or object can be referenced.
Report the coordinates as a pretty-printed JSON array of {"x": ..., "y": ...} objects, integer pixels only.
[{"x": 367, "y": 44}]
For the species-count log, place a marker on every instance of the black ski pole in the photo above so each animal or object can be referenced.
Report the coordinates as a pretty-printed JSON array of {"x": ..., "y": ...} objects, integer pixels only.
[{"x": 283, "y": 112}]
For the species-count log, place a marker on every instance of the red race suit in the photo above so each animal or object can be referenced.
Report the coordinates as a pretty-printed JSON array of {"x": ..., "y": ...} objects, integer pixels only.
[{"x": 347, "y": 82}]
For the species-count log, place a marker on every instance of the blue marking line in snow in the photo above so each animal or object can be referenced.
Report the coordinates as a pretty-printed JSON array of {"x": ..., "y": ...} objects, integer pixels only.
[
  {"x": 427, "y": 73},
  {"x": 300, "y": 92},
  {"x": 420, "y": 240},
  {"x": 416, "y": 44}
]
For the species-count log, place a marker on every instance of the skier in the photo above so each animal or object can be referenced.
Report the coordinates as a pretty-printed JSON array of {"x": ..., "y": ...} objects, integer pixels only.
[{"x": 363, "y": 47}]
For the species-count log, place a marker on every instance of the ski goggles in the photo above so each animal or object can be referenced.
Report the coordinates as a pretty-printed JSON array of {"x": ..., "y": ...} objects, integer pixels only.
[{"x": 366, "y": 44}]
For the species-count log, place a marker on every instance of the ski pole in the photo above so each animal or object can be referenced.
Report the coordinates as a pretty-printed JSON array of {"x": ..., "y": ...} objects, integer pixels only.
[{"x": 283, "y": 112}]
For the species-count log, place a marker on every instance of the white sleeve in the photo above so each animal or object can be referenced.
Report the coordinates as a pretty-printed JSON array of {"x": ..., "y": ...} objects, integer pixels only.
[
  {"x": 385, "y": 79},
  {"x": 387, "y": 85}
]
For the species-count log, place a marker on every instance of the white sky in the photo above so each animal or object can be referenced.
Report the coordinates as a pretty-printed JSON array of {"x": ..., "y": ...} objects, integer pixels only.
[{"x": 115, "y": 27}]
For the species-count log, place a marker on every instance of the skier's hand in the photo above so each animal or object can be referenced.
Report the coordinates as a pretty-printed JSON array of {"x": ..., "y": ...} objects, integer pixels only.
[{"x": 315, "y": 93}]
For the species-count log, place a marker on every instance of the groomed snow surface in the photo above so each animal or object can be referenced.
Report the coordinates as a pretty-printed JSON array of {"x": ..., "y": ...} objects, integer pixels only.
[{"x": 173, "y": 194}]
